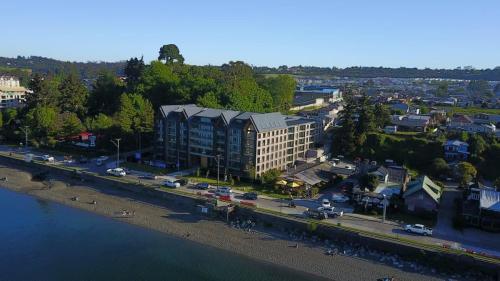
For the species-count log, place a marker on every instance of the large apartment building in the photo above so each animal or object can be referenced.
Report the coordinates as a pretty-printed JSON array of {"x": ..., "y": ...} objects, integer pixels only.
[
  {"x": 11, "y": 92},
  {"x": 244, "y": 143}
]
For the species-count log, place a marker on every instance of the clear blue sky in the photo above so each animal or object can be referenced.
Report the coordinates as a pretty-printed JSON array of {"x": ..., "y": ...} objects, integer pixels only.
[{"x": 423, "y": 33}]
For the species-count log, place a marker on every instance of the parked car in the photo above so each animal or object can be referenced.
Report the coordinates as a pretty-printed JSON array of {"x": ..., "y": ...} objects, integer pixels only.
[
  {"x": 315, "y": 214},
  {"x": 149, "y": 177},
  {"x": 325, "y": 203},
  {"x": 202, "y": 185},
  {"x": 182, "y": 182},
  {"x": 223, "y": 191},
  {"x": 331, "y": 211},
  {"x": 83, "y": 160},
  {"x": 47, "y": 158},
  {"x": 100, "y": 160},
  {"x": 250, "y": 196},
  {"x": 118, "y": 172},
  {"x": 171, "y": 183},
  {"x": 339, "y": 198},
  {"x": 419, "y": 229}
]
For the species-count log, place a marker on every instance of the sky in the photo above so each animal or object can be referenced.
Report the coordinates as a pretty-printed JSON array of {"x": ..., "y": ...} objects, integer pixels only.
[{"x": 423, "y": 33}]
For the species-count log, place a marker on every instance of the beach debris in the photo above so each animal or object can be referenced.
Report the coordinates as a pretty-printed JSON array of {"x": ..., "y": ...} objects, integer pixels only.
[{"x": 76, "y": 198}]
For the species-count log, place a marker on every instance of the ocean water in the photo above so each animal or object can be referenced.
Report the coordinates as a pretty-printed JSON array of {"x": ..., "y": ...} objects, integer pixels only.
[{"x": 42, "y": 240}]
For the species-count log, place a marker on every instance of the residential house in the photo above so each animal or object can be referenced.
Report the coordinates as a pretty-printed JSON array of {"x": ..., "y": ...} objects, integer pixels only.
[
  {"x": 400, "y": 107},
  {"x": 381, "y": 172},
  {"x": 417, "y": 123},
  {"x": 12, "y": 94},
  {"x": 456, "y": 150},
  {"x": 398, "y": 174},
  {"x": 467, "y": 124},
  {"x": 422, "y": 196},
  {"x": 481, "y": 207}
]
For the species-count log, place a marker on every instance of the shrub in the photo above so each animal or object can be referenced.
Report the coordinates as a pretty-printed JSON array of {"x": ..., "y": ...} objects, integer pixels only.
[{"x": 312, "y": 226}]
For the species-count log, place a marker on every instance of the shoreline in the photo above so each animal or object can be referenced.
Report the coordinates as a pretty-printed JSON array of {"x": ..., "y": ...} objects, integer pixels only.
[{"x": 262, "y": 245}]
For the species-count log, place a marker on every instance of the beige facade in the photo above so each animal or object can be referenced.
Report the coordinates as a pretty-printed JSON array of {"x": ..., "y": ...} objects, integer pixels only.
[{"x": 11, "y": 93}]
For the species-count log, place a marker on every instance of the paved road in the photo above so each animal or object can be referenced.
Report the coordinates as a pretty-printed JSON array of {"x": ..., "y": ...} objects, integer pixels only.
[{"x": 443, "y": 234}]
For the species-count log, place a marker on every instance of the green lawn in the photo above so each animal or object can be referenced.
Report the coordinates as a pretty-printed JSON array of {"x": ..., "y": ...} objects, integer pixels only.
[
  {"x": 144, "y": 168},
  {"x": 470, "y": 110}
]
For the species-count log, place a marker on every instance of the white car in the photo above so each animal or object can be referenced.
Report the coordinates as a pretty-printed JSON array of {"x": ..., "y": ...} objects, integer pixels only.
[
  {"x": 325, "y": 203},
  {"x": 339, "y": 198},
  {"x": 118, "y": 172},
  {"x": 47, "y": 158},
  {"x": 171, "y": 183},
  {"x": 331, "y": 211},
  {"x": 418, "y": 229}
]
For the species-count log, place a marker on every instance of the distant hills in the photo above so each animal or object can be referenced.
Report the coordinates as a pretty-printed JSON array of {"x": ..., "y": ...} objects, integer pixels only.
[
  {"x": 36, "y": 64},
  {"x": 89, "y": 70}
]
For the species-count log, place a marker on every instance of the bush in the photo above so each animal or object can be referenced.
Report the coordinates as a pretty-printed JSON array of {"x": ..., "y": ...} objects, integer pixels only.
[
  {"x": 270, "y": 176},
  {"x": 458, "y": 222},
  {"x": 312, "y": 226}
]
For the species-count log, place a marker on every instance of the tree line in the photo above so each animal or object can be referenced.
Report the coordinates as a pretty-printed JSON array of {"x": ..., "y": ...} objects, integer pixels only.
[
  {"x": 60, "y": 105},
  {"x": 374, "y": 72}
]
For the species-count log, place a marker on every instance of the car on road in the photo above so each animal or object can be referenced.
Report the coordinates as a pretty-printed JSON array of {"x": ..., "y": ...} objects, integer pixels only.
[
  {"x": 148, "y": 177},
  {"x": 47, "y": 158},
  {"x": 250, "y": 196},
  {"x": 339, "y": 198},
  {"x": 171, "y": 183},
  {"x": 315, "y": 214},
  {"x": 223, "y": 191},
  {"x": 331, "y": 211},
  {"x": 418, "y": 229},
  {"x": 203, "y": 186},
  {"x": 325, "y": 203},
  {"x": 117, "y": 172}
]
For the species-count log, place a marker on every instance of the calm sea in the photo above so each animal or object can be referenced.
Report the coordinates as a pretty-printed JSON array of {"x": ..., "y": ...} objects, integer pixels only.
[{"x": 41, "y": 240}]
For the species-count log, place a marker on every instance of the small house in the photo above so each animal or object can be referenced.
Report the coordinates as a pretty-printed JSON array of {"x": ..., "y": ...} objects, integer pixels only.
[
  {"x": 422, "y": 196},
  {"x": 456, "y": 150}
]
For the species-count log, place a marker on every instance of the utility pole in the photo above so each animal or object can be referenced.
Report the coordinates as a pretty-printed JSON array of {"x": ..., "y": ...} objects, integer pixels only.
[
  {"x": 385, "y": 207},
  {"x": 117, "y": 144},
  {"x": 217, "y": 157},
  {"x": 25, "y": 130}
]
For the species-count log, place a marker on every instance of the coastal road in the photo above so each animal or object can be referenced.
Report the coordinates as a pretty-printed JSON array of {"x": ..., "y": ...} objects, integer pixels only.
[{"x": 443, "y": 234}]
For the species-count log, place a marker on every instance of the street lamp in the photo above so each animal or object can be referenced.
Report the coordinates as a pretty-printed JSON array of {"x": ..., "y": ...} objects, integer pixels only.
[
  {"x": 385, "y": 207},
  {"x": 25, "y": 130},
  {"x": 117, "y": 144}
]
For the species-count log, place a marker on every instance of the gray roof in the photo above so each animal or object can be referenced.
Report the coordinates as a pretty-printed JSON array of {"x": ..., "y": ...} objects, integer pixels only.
[
  {"x": 268, "y": 122},
  {"x": 490, "y": 199},
  {"x": 263, "y": 122}
]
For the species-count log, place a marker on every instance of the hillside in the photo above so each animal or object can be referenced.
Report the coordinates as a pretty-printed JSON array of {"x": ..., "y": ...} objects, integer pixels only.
[{"x": 36, "y": 64}]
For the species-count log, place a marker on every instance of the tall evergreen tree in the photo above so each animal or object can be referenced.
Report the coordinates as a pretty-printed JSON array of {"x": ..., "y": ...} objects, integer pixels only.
[{"x": 73, "y": 95}]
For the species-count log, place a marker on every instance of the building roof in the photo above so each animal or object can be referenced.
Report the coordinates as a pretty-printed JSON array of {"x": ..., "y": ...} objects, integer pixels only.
[
  {"x": 455, "y": 143},
  {"x": 12, "y": 89},
  {"x": 462, "y": 119},
  {"x": 425, "y": 184},
  {"x": 268, "y": 122},
  {"x": 263, "y": 122},
  {"x": 490, "y": 200}
]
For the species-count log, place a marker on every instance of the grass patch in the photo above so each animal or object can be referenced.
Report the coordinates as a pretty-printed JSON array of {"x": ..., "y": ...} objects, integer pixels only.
[
  {"x": 144, "y": 168},
  {"x": 470, "y": 110}
]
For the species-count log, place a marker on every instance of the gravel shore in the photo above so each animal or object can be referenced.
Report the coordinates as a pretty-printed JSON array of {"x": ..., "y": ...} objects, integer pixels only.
[{"x": 263, "y": 244}]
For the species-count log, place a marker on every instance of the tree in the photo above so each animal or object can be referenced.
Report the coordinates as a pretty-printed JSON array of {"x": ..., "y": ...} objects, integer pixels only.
[
  {"x": 136, "y": 114},
  {"x": 42, "y": 120},
  {"x": 71, "y": 124},
  {"x": 369, "y": 181},
  {"x": 170, "y": 53},
  {"x": 133, "y": 71},
  {"x": 439, "y": 167},
  {"x": 479, "y": 87},
  {"x": 442, "y": 89},
  {"x": 210, "y": 100},
  {"x": 344, "y": 138},
  {"x": 466, "y": 173},
  {"x": 73, "y": 95},
  {"x": 477, "y": 145},
  {"x": 282, "y": 89},
  {"x": 366, "y": 118},
  {"x": 105, "y": 94},
  {"x": 270, "y": 176},
  {"x": 99, "y": 123},
  {"x": 382, "y": 115},
  {"x": 1, "y": 121}
]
